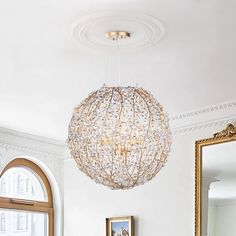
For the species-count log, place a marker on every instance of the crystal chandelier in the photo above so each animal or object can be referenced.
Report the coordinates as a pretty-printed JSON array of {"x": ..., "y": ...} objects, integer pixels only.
[{"x": 120, "y": 136}]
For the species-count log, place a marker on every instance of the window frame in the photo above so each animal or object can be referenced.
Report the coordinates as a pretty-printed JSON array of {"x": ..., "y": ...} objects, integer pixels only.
[{"x": 31, "y": 205}]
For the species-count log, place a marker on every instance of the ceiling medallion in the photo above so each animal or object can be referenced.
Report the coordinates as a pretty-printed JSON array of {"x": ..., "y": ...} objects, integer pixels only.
[
  {"x": 120, "y": 136},
  {"x": 146, "y": 30}
]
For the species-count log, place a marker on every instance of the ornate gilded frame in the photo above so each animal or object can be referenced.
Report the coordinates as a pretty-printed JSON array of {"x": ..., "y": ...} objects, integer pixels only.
[{"x": 226, "y": 135}]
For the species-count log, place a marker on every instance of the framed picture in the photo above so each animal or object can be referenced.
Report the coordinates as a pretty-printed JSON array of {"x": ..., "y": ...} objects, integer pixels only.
[{"x": 120, "y": 226}]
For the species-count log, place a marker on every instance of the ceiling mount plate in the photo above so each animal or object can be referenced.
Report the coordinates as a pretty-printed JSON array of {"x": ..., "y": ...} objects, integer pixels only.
[
  {"x": 145, "y": 30},
  {"x": 115, "y": 35}
]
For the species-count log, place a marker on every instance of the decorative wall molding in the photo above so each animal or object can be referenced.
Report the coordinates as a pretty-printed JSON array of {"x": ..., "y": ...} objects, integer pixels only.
[
  {"x": 27, "y": 150},
  {"x": 218, "y": 115},
  {"x": 214, "y": 108},
  {"x": 31, "y": 144},
  {"x": 202, "y": 126}
]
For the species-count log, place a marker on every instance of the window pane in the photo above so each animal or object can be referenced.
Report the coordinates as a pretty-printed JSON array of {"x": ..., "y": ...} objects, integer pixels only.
[
  {"x": 22, "y": 223},
  {"x": 22, "y": 183}
]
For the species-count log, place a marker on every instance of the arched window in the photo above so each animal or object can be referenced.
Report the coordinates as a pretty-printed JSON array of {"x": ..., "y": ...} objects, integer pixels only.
[{"x": 26, "y": 202}]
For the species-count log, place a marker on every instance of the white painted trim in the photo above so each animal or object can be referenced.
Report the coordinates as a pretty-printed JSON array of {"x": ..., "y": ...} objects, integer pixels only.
[
  {"x": 206, "y": 118},
  {"x": 30, "y": 136},
  {"x": 209, "y": 109},
  {"x": 31, "y": 144},
  {"x": 204, "y": 125}
]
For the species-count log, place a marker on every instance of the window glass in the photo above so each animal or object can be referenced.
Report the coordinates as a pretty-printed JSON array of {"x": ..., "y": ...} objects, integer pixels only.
[
  {"x": 2, "y": 222},
  {"x": 3, "y": 186},
  {"x": 22, "y": 223},
  {"x": 18, "y": 182}
]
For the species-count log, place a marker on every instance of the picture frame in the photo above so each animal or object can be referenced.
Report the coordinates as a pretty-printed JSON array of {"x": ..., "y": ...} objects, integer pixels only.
[{"x": 120, "y": 226}]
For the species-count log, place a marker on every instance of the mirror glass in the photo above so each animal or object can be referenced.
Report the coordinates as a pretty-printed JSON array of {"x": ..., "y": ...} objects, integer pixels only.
[{"x": 219, "y": 189}]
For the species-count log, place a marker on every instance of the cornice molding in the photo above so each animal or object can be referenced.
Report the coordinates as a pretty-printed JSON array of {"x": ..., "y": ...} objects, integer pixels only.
[
  {"x": 205, "y": 110},
  {"x": 202, "y": 126},
  {"x": 27, "y": 150},
  {"x": 210, "y": 117},
  {"x": 27, "y": 144}
]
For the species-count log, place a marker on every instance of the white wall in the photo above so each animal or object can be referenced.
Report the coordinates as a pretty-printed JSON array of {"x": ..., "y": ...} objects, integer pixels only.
[{"x": 163, "y": 207}]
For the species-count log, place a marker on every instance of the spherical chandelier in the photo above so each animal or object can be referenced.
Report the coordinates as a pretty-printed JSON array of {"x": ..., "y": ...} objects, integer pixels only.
[{"x": 119, "y": 136}]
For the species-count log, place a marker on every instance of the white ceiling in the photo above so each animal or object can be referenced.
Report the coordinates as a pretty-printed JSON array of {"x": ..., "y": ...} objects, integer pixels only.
[
  {"x": 44, "y": 73},
  {"x": 219, "y": 163}
]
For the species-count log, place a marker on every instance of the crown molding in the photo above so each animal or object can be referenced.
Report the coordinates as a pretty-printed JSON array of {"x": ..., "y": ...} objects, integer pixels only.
[
  {"x": 31, "y": 144},
  {"x": 205, "y": 110},
  {"x": 20, "y": 134},
  {"x": 28, "y": 150},
  {"x": 202, "y": 126},
  {"x": 210, "y": 117}
]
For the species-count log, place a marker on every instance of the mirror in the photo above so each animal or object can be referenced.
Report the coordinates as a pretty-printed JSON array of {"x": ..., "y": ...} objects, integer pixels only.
[{"x": 215, "y": 212}]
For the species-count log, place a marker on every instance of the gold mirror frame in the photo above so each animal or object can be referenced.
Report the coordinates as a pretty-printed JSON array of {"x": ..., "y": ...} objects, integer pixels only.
[{"x": 226, "y": 135}]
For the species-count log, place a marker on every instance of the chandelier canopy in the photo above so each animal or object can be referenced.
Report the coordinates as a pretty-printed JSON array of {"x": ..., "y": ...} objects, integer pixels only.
[{"x": 120, "y": 136}]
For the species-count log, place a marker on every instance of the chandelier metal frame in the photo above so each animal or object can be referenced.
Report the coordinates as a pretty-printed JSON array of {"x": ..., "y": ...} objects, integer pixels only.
[{"x": 120, "y": 136}]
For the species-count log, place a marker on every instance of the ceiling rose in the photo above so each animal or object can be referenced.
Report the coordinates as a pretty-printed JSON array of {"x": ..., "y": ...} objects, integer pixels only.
[
  {"x": 146, "y": 30},
  {"x": 120, "y": 136}
]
